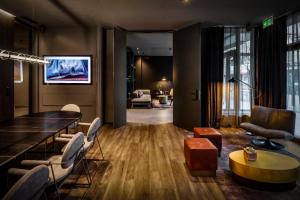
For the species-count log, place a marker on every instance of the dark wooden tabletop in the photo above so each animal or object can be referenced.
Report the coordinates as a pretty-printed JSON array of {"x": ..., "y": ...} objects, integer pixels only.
[{"x": 23, "y": 133}]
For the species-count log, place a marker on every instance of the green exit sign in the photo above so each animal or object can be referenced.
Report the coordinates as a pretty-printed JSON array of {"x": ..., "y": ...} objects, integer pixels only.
[{"x": 268, "y": 22}]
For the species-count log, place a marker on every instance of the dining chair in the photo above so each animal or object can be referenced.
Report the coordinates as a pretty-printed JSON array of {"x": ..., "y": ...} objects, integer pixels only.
[
  {"x": 72, "y": 108},
  {"x": 60, "y": 166},
  {"x": 90, "y": 137},
  {"x": 31, "y": 186}
]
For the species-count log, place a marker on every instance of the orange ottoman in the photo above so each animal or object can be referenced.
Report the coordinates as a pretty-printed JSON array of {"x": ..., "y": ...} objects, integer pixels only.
[
  {"x": 200, "y": 156},
  {"x": 210, "y": 133}
]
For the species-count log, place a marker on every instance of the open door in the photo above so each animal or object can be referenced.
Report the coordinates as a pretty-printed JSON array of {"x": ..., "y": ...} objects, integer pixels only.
[
  {"x": 187, "y": 77},
  {"x": 119, "y": 77},
  {"x": 115, "y": 77}
]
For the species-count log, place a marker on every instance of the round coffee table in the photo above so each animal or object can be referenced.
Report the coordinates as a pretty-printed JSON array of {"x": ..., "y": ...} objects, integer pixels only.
[
  {"x": 163, "y": 99},
  {"x": 270, "y": 167}
]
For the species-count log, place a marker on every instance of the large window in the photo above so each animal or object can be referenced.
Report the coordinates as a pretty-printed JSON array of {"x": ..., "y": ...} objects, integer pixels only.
[
  {"x": 237, "y": 97},
  {"x": 293, "y": 62}
]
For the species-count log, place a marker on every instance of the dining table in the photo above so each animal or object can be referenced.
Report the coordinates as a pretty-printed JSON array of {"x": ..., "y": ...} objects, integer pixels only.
[{"x": 23, "y": 133}]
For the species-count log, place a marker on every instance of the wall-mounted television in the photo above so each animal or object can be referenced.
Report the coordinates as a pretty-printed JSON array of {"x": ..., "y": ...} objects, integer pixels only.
[{"x": 68, "y": 70}]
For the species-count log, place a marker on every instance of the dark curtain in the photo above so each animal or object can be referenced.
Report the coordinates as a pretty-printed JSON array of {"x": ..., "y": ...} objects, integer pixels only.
[
  {"x": 270, "y": 65},
  {"x": 212, "y": 75}
]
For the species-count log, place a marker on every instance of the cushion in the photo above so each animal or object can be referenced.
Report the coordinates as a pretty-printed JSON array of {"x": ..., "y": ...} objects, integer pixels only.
[
  {"x": 71, "y": 149},
  {"x": 282, "y": 120},
  {"x": 94, "y": 127},
  {"x": 140, "y": 93},
  {"x": 145, "y": 91},
  {"x": 252, "y": 127},
  {"x": 59, "y": 172},
  {"x": 134, "y": 95},
  {"x": 260, "y": 115},
  {"x": 264, "y": 132},
  {"x": 144, "y": 98}
]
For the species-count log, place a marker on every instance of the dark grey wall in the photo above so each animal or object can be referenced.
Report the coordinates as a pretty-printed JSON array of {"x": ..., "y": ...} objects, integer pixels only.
[
  {"x": 151, "y": 69},
  {"x": 6, "y": 69}
]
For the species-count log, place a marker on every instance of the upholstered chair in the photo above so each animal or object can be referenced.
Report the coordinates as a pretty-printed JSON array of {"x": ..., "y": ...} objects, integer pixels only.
[
  {"x": 90, "y": 137},
  {"x": 171, "y": 96},
  {"x": 60, "y": 166},
  {"x": 72, "y": 108},
  {"x": 270, "y": 123},
  {"x": 30, "y": 186}
]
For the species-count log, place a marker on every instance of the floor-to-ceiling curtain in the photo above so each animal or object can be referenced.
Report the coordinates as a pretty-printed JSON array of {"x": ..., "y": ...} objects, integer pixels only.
[
  {"x": 212, "y": 75},
  {"x": 270, "y": 64}
]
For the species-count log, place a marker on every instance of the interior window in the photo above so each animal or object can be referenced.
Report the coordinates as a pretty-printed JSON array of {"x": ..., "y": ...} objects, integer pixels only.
[{"x": 237, "y": 97}]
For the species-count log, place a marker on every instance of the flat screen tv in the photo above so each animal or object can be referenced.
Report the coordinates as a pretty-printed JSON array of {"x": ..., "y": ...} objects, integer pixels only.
[{"x": 68, "y": 70}]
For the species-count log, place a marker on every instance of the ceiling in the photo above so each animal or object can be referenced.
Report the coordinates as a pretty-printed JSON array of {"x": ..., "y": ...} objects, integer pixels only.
[
  {"x": 151, "y": 44},
  {"x": 146, "y": 14}
]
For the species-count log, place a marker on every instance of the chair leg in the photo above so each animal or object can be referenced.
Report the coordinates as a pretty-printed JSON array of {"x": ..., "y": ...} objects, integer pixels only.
[
  {"x": 45, "y": 150},
  {"x": 55, "y": 184},
  {"x": 100, "y": 149},
  {"x": 45, "y": 195},
  {"x": 86, "y": 170}
]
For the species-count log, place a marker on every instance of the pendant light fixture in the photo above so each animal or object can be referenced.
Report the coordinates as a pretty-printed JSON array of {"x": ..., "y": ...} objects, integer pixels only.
[{"x": 10, "y": 55}]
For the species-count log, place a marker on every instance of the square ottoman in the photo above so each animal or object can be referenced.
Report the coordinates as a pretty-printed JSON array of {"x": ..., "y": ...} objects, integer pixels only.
[
  {"x": 200, "y": 156},
  {"x": 210, "y": 133}
]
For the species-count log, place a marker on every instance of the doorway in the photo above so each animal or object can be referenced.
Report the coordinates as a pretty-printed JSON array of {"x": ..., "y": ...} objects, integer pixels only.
[{"x": 149, "y": 78}]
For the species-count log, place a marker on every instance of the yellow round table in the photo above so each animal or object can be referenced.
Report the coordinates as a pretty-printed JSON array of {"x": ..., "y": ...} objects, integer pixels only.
[{"x": 269, "y": 167}]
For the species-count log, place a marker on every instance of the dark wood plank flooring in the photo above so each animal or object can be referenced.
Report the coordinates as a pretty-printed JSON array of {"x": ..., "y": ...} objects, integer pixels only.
[
  {"x": 147, "y": 162},
  {"x": 143, "y": 162}
]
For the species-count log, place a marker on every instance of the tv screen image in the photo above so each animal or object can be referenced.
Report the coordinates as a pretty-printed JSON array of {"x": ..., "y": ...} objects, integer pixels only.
[{"x": 67, "y": 70}]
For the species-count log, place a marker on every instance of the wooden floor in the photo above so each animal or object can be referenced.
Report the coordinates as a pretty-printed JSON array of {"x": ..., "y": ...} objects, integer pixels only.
[
  {"x": 144, "y": 162},
  {"x": 150, "y": 116}
]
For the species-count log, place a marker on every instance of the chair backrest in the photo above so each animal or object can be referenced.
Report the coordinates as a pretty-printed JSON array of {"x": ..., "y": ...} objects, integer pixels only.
[
  {"x": 93, "y": 129},
  {"x": 273, "y": 118},
  {"x": 171, "y": 92},
  {"x": 71, "y": 107},
  {"x": 30, "y": 186},
  {"x": 72, "y": 149},
  {"x": 144, "y": 91}
]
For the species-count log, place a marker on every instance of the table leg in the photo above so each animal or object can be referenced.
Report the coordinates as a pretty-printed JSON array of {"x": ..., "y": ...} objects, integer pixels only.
[{"x": 53, "y": 145}]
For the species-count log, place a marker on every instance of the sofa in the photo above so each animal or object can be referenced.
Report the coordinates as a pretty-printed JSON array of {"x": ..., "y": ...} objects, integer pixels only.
[
  {"x": 270, "y": 123},
  {"x": 141, "y": 97}
]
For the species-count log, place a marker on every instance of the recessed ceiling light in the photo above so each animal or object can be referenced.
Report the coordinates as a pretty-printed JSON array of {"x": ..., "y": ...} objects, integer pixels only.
[{"x": 186, "y": 1}]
